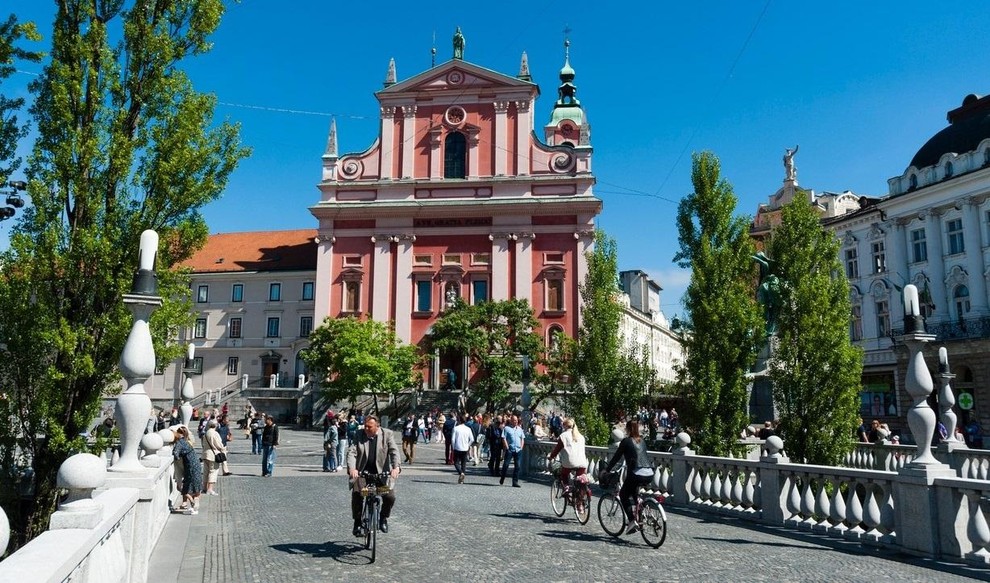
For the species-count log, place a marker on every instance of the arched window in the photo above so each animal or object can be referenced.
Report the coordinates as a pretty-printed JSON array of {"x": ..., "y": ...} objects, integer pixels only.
[
  {"x": 454, "y": 155},
  {"x": 961, "y": 299},
  {"x": 948, "y": 169},
  {"x": 913, "y": 182},
  {"x": 986, "y": 157}
]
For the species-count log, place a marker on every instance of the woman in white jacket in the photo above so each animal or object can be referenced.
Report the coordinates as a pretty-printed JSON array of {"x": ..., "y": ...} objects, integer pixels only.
[{"x": 570, "y": 446}]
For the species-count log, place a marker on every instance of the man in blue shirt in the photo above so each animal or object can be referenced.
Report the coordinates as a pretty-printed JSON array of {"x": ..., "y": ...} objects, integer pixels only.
[{"x": 513, "y": 438}]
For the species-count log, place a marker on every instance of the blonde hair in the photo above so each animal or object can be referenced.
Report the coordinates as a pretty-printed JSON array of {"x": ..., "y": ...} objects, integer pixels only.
[{"x": 575, "y": 434}]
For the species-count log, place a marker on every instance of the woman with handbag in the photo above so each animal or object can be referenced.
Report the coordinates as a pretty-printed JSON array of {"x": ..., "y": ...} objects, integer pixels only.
[{"x": 214, "y": 454}]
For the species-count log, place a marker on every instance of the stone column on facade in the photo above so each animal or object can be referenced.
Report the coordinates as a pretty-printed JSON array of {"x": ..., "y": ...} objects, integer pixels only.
[
  {"x": 188, "y": 392},
  {"x": 524, "y": 126},
  {"x": 436, "y": 161},
  {"x": 324, "y": 276},
  {"x": 137, "y": 361},
  {"x": 524, "y": 267},
  {"x": 973, "y": 237},
  {"x": 501, "y": 139},
  {"x": 896, "y": 263},
  {"x": 382, "y": 274},
  {"x": 501, "y": 248},
  {"x": 474, "y": 153},
  {"x": 408, "y": 140},
  {"x": 404, "y": 287},
  {"x": 936, "y": 262},
  {"x": 388, "y": 141},
  {"x": 585, "y": 243}
]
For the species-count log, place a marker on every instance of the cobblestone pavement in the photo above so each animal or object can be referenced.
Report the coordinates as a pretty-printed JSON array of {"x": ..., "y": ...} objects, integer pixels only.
[{"x": 295, "y": 526}]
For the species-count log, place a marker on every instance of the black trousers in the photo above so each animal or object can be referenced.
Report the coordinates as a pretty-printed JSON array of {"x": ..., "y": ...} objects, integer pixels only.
[
  {"x": 629, "y": 490},
  {"x": 460, "y": 461},
  {"x": 388, "y": 501},
  {"x": 494, "y": 460}
]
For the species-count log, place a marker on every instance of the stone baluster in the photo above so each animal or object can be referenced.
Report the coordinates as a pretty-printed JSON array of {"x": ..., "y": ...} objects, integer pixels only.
[
  {"x": 871, "y": 515},
  {"x": 946, "y": 400},
  {"x": 706, "y": 487},
  {"x": 188, "y": 392},
  {"x": 823, "y": 508},
  {"x": 854, "y": 513},
  {"x": 80, "y": 475},
  {"x": 137, "y": 362},
  {"x": 793, "y": 501},
  {"x": 808, "y": 504},
  {"x": 838, "y": 513},
  {"x": 977, "y": 529},
  {"x": 749, "y": 492},
  {"x": 888, "y": 516}
]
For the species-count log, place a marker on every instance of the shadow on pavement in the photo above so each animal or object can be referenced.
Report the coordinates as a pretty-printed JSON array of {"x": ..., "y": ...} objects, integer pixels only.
[
  {"x": 545, "y": 518},
  {"x": 579, "y": 536},
  {"x": 742, "y": 541},
  {"x": 349, "y": 553}
]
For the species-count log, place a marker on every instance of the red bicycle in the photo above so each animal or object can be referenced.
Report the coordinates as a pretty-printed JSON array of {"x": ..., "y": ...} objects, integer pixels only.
[{"x": 576, "y": 492}]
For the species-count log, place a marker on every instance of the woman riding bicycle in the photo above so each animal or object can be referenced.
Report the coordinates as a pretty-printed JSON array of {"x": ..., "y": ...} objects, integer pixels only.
[
  {"x": 639, "y": 471},
  {"x": 570, "y": 446}
]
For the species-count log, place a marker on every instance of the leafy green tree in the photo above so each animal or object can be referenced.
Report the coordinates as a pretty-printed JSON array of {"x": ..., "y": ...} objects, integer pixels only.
[
  {"x": 359, "y": 356},
  {"x": 12, "y": 34},
  {"x": 725, "y": 322},
  {"x": 124, "y": 143},
  {"x": 493, "y": 335},
  {"x": 608, "y": 379},
  {"x": 815, "y": 369}
]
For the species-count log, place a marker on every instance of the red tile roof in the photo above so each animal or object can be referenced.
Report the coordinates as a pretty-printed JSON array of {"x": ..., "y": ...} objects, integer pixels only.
[{"x": 256, "y": 251}]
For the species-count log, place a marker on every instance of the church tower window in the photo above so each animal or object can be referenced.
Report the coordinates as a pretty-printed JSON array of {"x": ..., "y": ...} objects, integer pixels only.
[{"x": 454, "y": 155}]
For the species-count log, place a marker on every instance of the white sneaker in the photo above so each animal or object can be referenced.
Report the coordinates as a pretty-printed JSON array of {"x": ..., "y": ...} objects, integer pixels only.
[
  {"x": 191, "y": 511},
  {"x": 633, "y": 527},
  {"x": 213, "y": 493}
]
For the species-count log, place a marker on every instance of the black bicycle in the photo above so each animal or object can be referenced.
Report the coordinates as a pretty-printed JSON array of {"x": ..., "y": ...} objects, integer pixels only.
[{"x": 372, "y": 488}]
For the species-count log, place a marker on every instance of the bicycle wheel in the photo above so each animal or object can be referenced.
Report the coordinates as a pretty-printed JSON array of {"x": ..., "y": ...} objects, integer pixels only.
[
  {"x": 557, "y": 500},
  {"x": 610, "y": 515},
  {"x": 582, "y": 504},
  {"x": 373, "y": 534},
  {"x": 653, "y": 525}
]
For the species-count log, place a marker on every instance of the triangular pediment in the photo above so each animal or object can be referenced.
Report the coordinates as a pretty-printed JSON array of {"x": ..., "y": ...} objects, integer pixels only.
[{"x": 457, "y": 75}]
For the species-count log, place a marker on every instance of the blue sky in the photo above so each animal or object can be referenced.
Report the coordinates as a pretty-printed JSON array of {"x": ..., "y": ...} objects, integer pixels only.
[{"x": 859, "y": 85}]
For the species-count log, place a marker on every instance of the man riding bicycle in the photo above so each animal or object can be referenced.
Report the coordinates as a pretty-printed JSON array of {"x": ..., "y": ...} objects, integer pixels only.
[{"x": 373, "y": 451}]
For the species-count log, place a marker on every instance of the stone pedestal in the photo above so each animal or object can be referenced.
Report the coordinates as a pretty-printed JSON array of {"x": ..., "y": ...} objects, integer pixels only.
[{"x": 916, "y": 515}]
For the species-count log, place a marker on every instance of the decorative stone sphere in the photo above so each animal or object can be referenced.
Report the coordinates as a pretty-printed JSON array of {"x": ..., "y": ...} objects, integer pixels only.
[
  {"x": 774, "y": 444},
  {"x": 151, "y": 443},
  {"x": 83, "y": 471},
  {"x": 167, "y": 436},
  {"x": 4, "y": 531},
  {"x": 683, "y": 439}
]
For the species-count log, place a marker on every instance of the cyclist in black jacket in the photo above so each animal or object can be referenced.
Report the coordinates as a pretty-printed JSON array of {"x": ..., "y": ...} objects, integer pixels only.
[{"x": 639, "y": 470}]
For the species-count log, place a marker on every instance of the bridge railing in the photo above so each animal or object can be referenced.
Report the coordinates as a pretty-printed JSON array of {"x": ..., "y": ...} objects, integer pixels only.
[{"x": 937, "y": 511}]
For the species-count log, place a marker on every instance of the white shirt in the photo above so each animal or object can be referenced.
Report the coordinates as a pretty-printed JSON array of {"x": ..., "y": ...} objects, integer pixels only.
[
  {"x": 462, "y": 439},
  {"x": 572, "y": 456}
]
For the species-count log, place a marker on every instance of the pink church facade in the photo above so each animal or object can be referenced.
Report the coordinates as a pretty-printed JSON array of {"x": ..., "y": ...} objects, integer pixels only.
[{"x": 458, "y": 196}]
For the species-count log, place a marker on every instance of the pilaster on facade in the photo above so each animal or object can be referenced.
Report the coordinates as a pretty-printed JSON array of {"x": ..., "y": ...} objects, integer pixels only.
[
  {"x": 501, "y": 137},
  {"x": 403, "y": 286},
  {"x": 501, "y": 249},
  {"x": 408, "y": 140},
  {"x": 974, "y": 255},
  {"x": 585, "y": 244},
  {"x": 524, "y": 126},
  {"x": 324, "y": 264},
  {"x": 933, "y": 235},
  {"x": 388, "y": 141},
  {"x": 381, "y": 278},
  {"x": 524, "y": 266}
]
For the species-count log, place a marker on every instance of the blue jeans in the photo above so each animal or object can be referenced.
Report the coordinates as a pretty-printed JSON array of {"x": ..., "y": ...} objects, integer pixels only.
[
  {"x": 341, "y": 451},
  {"x": 515, "y": 457},
  {"x": 255, "y": 443},
  {"x": 330, "y": 458},
  {"x": 268, "y": 454}
]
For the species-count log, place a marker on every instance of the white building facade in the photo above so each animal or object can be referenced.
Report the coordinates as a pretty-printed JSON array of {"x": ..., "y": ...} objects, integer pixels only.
[{"x": 645, "y": 328}]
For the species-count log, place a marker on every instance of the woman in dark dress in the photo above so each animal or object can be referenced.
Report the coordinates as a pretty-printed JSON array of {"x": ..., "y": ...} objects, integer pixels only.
[{"x": 192, "y": 474}]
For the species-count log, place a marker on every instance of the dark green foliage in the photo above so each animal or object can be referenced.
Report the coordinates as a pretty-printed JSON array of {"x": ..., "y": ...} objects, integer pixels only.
[
  {"x": 816, "y": 369},
  {"x": 725, "y": 323}
]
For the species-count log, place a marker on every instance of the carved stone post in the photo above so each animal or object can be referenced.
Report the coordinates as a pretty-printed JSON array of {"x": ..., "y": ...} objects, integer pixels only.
[
  {"x": 946, "y": 399},
  {"x": 188, "y": 392},
  {"x": 137, "y": 362}
]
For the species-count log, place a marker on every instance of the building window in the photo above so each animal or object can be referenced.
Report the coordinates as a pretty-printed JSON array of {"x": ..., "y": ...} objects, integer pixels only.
[
  {"x": 919, "y": 245},
  {"x": 879, "y": 258},
  {"x": 237, "y": 292},
  {"x": 955, "y": 230},
  {"x": 479, "y": 291},
  {"x": 235, "y": 327},
  {"x": 451, "y": 258},
  {"x": 852, "y": 264},
  {"x": 200, "y": 329},
  {"x": 424, "y": 295},
  {"x": 272, "y": 327},
  {"x": 948, "y": 170},
  {"x": 454, "y": 155},
  {"x": 196, "y": 366},
  {"x": 232, "y": 362},
  {"x": 913, "y": 182},
  {"x": 986, "y": 157},
  {"x": 305, "y": 326},
  {"x": 961, "y": 299},
  {"x": 481, "y": 259},
  {"x": 307, "y": 291},
  {"x": 203, "y": 294},
  {"x": 883, "y": 318},
  {"x": 856, "y": 324},
  {"x": 423, "y": 260},
  {"x": 555, "y": 295},
  {"x": 352, "y": 295},
  {"x": 274, "y": 292}
]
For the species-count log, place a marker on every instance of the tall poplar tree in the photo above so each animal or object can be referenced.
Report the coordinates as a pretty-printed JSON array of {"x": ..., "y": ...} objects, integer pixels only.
[
  {"x": 124, "y": 143},
  {"x": 815, "y": 369},
  {"x": 725, "y": 323}
]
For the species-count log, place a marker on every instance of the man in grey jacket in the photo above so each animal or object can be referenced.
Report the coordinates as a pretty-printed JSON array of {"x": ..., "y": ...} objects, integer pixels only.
[{"x": 374, "y": 451}]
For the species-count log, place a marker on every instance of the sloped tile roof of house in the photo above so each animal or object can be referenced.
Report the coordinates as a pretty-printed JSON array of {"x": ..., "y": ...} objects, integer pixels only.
[{"x": 256, "y": 251}]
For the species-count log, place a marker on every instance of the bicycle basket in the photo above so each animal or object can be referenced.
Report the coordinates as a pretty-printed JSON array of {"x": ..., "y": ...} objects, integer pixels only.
[
  {"x": 608, "y": 480},
  {"x": 555, "y": 466}
]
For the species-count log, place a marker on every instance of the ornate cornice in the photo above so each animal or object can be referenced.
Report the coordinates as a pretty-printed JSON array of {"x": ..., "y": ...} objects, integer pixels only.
[
  {"x": 388, "y": 111},
  {"x": 409, "y": 111},
  {"x": 522, "y": 106},
  {"x": 501, "y": 107}
]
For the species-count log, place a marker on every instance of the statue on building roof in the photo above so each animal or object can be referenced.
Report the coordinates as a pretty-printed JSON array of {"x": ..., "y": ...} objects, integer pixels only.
[
  {"x": 458, "y": 44},
  {"x": 789, "y": 169}
]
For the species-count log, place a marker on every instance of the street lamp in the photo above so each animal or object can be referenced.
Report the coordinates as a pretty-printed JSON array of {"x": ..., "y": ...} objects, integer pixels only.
[{"x": 14, "y": 199}]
